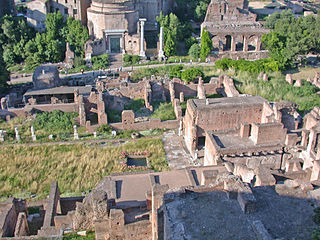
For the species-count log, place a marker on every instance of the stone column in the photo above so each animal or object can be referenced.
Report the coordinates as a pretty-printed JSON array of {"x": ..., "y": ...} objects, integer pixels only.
[
  {"x": 142, "y": 50},
  {"x": 161, "y": 53},
  {"x": 123, "y": 44},
  {"x": 75, "y": 132},
  {"x": 258, "y": 47},
  {"x": 1, "y": 136},
  {"x": 233, "y": 44},
  {"x": 245, "y": 44},
  {"x": 33, "y": 134},
  {"x": 17, "y": 134}
]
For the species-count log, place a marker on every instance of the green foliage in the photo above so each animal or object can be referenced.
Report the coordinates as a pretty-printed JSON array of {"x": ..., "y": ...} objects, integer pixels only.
[
  {"x": 100, "y": 62},
  {"x": 190, "y": 74},
  {"x": 190, "y": 41},
  {"x": 206, "y": 44},
  {"x": 194, "y": 10},
  {"x": 135, "y": 105},
  {"x": 55, "y": 121},
  {"x": 74, "y": 236},
  {"x": 201, "y": 10},
  {"x": 164, "y": 111},
  {"x": 195, "y": 50},
  {"x": 113, "y": 115},
  {"x": 78, "y": 62},
  {"x": 171, "y": 32},
  {"x": 54, "y": 25},
  {"x": 20, "y": 43},
  {"x": 175, "y": 71},
  {"x": 277, "y": 89},
  {"x": 4, "y": 75},
  {"x": 33, "y": 210},
  {"x": 262, "y": 65},
  {"x": 131, "y": 59},
  {"x": 76, "y": 35},
  {"x": 291, "y": 37},
  {"x": 104, "y": 128},
  {"x": 316, "y": 234}
]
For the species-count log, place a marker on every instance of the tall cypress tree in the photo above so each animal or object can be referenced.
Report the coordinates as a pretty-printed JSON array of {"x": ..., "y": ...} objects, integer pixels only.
[{"x": 206, "y": 44}]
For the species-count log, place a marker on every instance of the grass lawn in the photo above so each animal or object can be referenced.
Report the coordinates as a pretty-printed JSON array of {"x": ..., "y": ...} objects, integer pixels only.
[
  {"x": 276, "y": 89},
  {"x": 26, "y": 170}
]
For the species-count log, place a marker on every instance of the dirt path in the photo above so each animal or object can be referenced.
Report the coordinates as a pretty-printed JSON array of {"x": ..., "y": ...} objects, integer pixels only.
[{"x": 177, "y": 156}]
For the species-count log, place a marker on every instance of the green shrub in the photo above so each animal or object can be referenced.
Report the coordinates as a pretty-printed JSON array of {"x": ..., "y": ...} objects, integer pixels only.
[
  {"x": 190, "y": 74},
  {"x": 131, "y": 59},
  {"x": 190, "y": 41},
  {"x": 164, "y": 112},
  {"x": 104, "y": 128},
  {"x": 194, "y": 51},
  {"x": 78, "y": 62},
  {"x": 135, "y": 105},
  {"x": 55, "y": 121},
  {"x": 113, "y": 115},
  {"x": 262, "y": 65},
  {"x": 175, "y": 71},
  {"x": 100, "y": 62}
]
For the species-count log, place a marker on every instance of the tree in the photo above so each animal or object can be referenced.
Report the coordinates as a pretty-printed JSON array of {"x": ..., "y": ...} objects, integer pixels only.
[
  {"x": 169, "y": 46},
  {"x": 195, "y": 50},
  {"x": 206, "y": 44},
  {"x": 4, "y": 74},
  {"x": 76, "y": 35},
  {"x": 171, "y": 30},
  {"x": 291, "y": 38},
  {"x": 201, "y": 11},
  {"x": 54, "y": 25}
]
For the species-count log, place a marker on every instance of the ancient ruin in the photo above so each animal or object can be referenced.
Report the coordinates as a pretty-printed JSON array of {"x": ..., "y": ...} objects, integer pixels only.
[{"x": 234, "y": 30}]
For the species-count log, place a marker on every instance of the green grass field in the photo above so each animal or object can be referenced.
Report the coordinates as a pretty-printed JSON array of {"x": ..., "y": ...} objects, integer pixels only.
[{"x": 26, "y": 170}]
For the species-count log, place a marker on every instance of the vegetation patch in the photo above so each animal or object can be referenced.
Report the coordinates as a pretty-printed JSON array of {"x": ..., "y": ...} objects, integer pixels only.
[
  {"x": 72, "y": 236},
  {"x": 164, "y": 111},
  {"x": 277, "y": 89},
  {"x": 26, "y": 170}
]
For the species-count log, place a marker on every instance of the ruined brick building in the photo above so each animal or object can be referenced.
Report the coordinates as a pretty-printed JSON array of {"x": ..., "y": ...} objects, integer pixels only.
[
  {"x": 234, "y": 30},
  {"x": 38, "y": 9}
]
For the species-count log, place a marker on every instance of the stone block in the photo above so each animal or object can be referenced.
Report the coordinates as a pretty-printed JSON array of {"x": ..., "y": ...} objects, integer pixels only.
[
  {"x": 127, "y": 117},
  {"x": 291, "y": 139},
  {"x": 244, "y": 172},
  {"x": 260, "y": 231},
  {"x": 289, "y": 79},
  {"x": 244, "y": 130},
  {"x": 291, "y": 183},
  {"x": 208, "y": 176},
  {"x": 315, "y": 194},
  {"x": 246, "y": 200},
  {"x": 315, "y": 171},
  {"x": 229, "y": 166},
  {"x": 264, "y": 177}
]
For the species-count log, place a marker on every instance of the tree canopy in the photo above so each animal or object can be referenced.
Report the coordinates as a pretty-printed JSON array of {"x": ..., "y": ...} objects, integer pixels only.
[
  {"x": 291, "y": 37},
  {"x": 21, "y": 43}
]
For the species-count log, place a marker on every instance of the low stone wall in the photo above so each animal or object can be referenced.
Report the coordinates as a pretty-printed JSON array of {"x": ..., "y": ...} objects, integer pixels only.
[
  {"x": 191, "y": 89},
  {"x": 53, "y": 207},
  {"x": 9, "y": 215},
  {"x": 155, "y": 123},
  {"x": 65, "y": 107},
  {"x": 177, "y": 108}
]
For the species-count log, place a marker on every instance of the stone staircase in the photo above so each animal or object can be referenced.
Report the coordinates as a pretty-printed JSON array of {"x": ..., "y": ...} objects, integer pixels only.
[{"x": 115, "y": 60}]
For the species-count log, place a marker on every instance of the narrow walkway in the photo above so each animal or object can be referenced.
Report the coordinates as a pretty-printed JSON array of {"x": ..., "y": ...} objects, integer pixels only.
[{"x": 177, "y": 157}]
